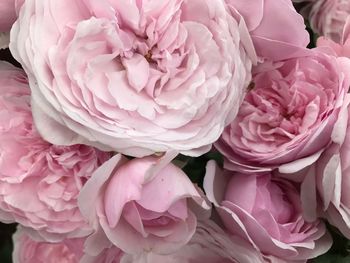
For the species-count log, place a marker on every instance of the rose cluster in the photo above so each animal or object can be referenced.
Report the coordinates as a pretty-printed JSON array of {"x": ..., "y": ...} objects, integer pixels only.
[{"x": 180, "y": 131}]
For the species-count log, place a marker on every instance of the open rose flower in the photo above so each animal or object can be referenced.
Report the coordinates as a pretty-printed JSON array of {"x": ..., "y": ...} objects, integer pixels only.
[
  {"x": 27, "y": 250},
  {"x": 267, "y": 21},
  {"x": 328, "y": 17},
  {"x": 328, "y": 179},
  {"x": 135, "y": 76},
  {"x": 286, "y": 120},
  {"x": 141, "y": 205},
  {"x": 39, "y": 182},
  {"x": 267, "y": 212}
]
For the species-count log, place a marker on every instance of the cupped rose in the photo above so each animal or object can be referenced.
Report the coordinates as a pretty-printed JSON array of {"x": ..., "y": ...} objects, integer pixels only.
[
  {"x": 137, "y": 76},
  {"x": 328, "y": 17},
  {"x": 27, "y": 250},
  {"x": 286, "y": 120},
  {"x": 266, "y": 212},
  {"x": 145, "y": 204},
  {"x": 267, "y": 21},
  {"x": 39, "y": 182},
  {"x": 328, "y": 179}
]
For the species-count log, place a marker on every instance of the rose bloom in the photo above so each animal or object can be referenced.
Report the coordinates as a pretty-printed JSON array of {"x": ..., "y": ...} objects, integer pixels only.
[
  {"x": 328, "y": 179},
  {"x": 286, "y": 120},
  {"x": 328, "y": 17},
  {"x": 267, "y": 21},
  {"x": 267, "y": 212},
  {"x": 135, "y": 76},
  {"x": 27, "y": 250},
  {"x": 39, "y": 182},
  {"x": 341, "y": 49},
  {"x": 142, "y": 205}
]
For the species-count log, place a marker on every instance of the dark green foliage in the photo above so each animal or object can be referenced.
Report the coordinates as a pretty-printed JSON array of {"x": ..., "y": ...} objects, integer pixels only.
[{"x": 6, "y": 246}]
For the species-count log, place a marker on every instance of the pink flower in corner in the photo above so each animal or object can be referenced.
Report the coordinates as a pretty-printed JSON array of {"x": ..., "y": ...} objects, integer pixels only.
[
  {"x": 7, "y": 14},
  {"x": 286, "y": 120},
  {"x": 27, "y": 250},
  {"x": 135, "y": 76},
  {"x": 39, "y": 182},
  {"x": 266, "y": 212},
  {"x": 141, "y": 205},
  {"x": 328, "y": 17}
]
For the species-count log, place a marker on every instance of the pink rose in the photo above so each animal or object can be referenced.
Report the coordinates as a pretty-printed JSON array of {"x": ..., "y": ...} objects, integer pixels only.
[
  {"x": 342, "y": 48},
  {"x": 141, "y": 205},
  {"x": 39, "y": 182},
  {"x": 267, "y": 212},
  {"x": 328, "y": 179},
  {"x": 286, "y": 120},
  {"x": 328, "y": 17},
  {"x": 267, "y": 21},
  {"x": 27, "y": 250},
  {"x": 137, "y": 76}
]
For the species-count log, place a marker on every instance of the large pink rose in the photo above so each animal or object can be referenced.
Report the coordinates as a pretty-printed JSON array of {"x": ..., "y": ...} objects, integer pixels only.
[
  {"x": 328, "y": 17},
  {"x": 136, "y": 76},
  {"x": 267, "y": 212},
  {"x": 141, "y": 205},
  {"x": 39, "y": 182},
  {"x": 27, "y": 250},
  {"x": 286, "y": 120},
  {"x": 267, "y": 21}
]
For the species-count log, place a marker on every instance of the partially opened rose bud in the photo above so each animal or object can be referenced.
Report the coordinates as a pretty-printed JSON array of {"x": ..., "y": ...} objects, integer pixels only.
[
  {"x": 142, "y": 204},
  {"x": 267, "y": 22}
]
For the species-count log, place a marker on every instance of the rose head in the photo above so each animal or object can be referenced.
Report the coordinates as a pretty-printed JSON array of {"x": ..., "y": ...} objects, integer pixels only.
[
  {"x": 328, "y": 180},
  {"x": 39, "y": 182},
  {"x": 137, "y": 76},
  {"x": 142, "y": 204},
  {"x": 286, "y": 120},
  {"x": 266, "y": 21},
  {"x": 266, "y": 212},
  {"x": 328, "y": 17},
  {"x": 27, "y": 250}
]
